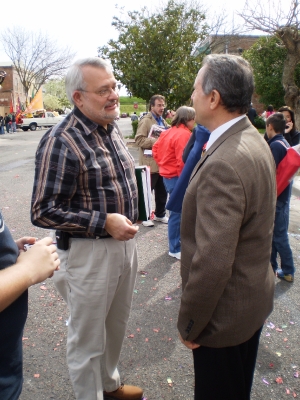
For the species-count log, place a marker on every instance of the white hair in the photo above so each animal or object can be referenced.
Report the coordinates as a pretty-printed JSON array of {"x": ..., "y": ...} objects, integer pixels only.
[{"x": 74, "y": 78}]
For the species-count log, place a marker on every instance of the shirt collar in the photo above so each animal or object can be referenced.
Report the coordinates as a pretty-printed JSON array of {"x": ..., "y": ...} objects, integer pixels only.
[
  {"x": 279, "y": 136},
  {"x": 159, "y": 120},
  {"x": 221, "y": 129},
  {"x": 88, "y": 125}
]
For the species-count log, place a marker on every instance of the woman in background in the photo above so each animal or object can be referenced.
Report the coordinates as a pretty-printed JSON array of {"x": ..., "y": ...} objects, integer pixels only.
[
  {"x": 167, "y": 152},
  {"x": 290, "y": 134}
]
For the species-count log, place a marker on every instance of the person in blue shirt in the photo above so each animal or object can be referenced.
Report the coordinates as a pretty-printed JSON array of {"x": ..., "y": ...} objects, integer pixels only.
[
  {"x": 275, "y": 126},
  {"x": 18, "y": 271}
]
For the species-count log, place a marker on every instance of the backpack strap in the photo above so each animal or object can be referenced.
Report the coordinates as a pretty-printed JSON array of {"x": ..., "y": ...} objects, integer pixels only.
[{"x": 283, "y": 144}]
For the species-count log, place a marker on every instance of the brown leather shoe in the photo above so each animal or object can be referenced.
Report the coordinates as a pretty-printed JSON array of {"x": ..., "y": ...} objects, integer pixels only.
[{"x": 125, "y": 392}]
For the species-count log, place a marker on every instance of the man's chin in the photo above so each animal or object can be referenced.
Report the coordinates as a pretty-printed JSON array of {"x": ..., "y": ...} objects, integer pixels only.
[{"x": 112, "y": 115}]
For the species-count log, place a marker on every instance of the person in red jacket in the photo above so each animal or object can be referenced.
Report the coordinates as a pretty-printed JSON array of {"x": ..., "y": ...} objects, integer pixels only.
[{"x": 167, "y": 152}]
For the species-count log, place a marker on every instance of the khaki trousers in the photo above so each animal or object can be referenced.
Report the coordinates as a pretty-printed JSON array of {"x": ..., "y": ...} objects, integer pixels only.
[{"x": 96, "y": 279}]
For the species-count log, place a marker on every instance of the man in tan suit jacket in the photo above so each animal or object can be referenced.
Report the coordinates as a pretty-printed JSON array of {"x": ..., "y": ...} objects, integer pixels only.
[
  {"x": 145, "y": 143},
  {"x": 226, "y": 234}
]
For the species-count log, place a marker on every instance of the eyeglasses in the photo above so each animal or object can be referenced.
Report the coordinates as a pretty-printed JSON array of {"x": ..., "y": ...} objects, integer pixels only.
[{"x": 102, "y": 93}]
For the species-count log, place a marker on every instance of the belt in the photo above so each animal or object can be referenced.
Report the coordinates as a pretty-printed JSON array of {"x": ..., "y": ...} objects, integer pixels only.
[{"x": 78, "y": 236}]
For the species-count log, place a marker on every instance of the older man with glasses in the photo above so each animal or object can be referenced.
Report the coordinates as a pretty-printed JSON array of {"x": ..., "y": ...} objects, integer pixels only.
[{"x": 85, "y": 190}]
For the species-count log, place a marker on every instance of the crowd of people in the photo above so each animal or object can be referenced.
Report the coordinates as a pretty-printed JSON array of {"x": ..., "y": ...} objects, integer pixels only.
[{"x": 221, "y": 179}]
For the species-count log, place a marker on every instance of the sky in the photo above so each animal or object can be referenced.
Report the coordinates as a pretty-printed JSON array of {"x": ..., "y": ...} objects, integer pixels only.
[{"x": 85, "y": 25}]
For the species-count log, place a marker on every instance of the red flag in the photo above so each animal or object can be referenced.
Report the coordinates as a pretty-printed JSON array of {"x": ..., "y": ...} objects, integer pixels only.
[{"x": 11, "y": 109}]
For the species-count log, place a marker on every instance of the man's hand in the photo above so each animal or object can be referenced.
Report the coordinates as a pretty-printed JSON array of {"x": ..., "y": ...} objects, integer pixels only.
[
  {"x": 120, "y": 227},
  {"x": 190, "y": 345},
  {"x": 40, "y": 261},
  {"x": 32, "y": 266}
]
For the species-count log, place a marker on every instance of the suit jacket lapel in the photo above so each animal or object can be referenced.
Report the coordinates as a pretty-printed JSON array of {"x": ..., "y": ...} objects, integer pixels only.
[{"x": 237, "y": 127}]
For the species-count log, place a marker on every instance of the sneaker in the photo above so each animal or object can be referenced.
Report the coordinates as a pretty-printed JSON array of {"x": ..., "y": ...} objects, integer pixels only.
[
  {"x": 148, "y": 223},
  {"x": 175, "y": 255},
  {"x": 288, "y": 277},
  {"x": 164, "y": 219},
  {"x": 125, "y": 392}
]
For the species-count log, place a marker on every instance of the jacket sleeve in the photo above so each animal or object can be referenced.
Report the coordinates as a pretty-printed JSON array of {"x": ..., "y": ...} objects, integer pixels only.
[
  {"x": 56, "y": 173},
  {"x": 141, "y": 138},
  {"x": 179, "y": 148}
]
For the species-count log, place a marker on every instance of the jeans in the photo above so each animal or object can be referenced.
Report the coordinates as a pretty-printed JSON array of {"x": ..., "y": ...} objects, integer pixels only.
[
  {"x": 7, "y": 127},
  {"x": 174, "y": 220},
  {"x": 14, "y": 126},
  {"x": 2, "y": 130},
  {"x": 280, "y": 242}
]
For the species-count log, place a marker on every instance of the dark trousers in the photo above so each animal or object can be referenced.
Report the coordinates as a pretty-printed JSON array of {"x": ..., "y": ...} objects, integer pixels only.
[
  {"x": 157, "y": 184},
  {"x": 225, "y": 373}
]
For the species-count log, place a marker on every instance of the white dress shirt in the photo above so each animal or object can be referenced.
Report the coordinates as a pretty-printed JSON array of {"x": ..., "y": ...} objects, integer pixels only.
[{"x": 221, "y": 129}]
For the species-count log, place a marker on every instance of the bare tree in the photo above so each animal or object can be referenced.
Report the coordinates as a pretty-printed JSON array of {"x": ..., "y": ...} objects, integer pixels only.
[
  {"x": 35, "y": 56},
  {"x": 283, "y": 23}
]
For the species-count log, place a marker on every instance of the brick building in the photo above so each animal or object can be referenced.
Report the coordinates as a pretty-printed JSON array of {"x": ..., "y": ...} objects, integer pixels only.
[{"x": 12, "y": 89}]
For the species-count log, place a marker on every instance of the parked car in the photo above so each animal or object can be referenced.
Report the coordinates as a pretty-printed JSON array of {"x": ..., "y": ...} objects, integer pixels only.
[
  {"x": 124, "y": 115},
  {"x": 43, "y": 119}
]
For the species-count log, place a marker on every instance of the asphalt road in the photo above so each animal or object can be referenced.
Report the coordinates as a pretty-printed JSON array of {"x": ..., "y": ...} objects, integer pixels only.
[{"x": 152, "y": 355}]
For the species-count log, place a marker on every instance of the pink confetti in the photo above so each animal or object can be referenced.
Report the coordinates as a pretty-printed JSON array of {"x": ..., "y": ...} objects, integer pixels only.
[
  {"x": 131, "y": 336},
  {"x": 168, "y": 298},
  {"x": 265, "y": 381},
  {"x": 36, "y": 375},
  {"x": 270, "y": 325},
  {"x": 43, "y": 287},
  {"x": 155, "y": 330},
  {"x": 279, "y": 380},
  {"x": 278, "y": 330},
  {"x": 296, "y": 374},
  {"x": 288, "y": 391},
  {"x": 267, "y": 334}
]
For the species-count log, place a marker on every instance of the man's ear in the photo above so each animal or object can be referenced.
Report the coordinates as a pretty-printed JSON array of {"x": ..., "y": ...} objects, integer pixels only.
[
  {"x": 77, "y": 98},
  {"x": 215, "y": 99}
]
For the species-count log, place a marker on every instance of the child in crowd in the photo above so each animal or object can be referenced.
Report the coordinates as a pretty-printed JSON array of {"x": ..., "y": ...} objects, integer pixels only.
[{"x": 275, "y": 126}]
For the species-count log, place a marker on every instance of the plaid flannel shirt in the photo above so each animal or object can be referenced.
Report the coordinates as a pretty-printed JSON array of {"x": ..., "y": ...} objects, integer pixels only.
[{"x": 82, "y": 173}]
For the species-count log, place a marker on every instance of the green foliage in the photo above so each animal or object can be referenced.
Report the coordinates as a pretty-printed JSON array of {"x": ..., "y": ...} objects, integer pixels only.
[
  {"x": 130, "y": 100},
  {"x": 259, "y": 123},
  {"x": 51, "y": 102},
  {"x": 154, "y": 53},
  {"x": 267, "y": 57},
  {"x": 134, "y": 125},
  {"x": 55, "y": 88},
  {"x": 127, "y": 105}
]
